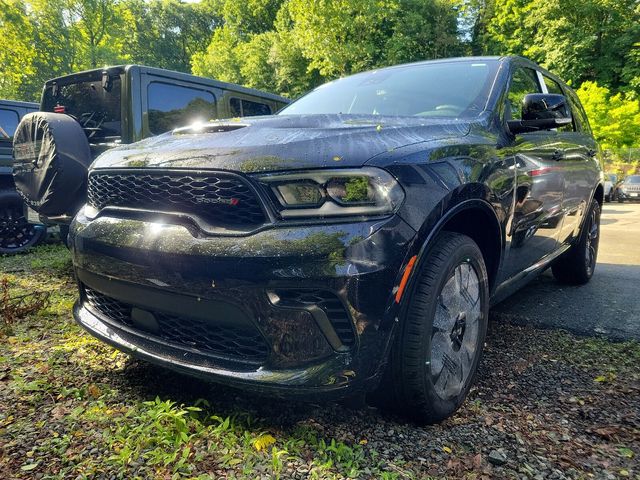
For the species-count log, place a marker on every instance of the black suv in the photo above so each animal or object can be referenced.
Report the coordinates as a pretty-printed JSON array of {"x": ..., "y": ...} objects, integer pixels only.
[
  {"x": 87, "y": 113},
  {"x": 15, "y": 231},
  {"x": 352, "y": 242}
]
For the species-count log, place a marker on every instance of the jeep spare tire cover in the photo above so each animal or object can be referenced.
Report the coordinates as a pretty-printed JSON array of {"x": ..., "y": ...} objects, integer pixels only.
[{"x": 51, "y": 157}]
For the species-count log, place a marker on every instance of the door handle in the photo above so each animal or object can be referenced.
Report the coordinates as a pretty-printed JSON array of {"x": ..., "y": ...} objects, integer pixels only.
[{"x": 557, "y": 155}]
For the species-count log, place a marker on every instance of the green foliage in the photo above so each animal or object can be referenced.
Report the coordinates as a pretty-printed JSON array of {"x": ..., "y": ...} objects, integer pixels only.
[
  {"x": 579, "y": 40},
  {"x": 42, "y": 39},
  {"x": 615, "y": 119},
  {"x": 305, "y": 43}
]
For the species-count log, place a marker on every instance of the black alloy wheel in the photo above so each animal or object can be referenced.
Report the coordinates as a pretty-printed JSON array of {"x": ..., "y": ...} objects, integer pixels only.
[{"x": 16, "y": 233}]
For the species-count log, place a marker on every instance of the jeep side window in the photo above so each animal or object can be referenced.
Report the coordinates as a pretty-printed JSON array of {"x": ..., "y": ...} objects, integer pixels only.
[
  {"x": 523, "y": 81},
  {"x": 173, "y": 106},
  {"x": 247, "y": 108},
  {"x": 8, "y": 123}
]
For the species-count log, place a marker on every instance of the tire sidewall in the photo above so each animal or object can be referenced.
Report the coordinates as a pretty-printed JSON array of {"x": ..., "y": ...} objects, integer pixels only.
[{"x": 466, "y": 253}]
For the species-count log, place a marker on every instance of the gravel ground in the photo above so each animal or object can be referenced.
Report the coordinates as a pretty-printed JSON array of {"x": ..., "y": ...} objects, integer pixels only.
[{"x": 546, "y": 405}]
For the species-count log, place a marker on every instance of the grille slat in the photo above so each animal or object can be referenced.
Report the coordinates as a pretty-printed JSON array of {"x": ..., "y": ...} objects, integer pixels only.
[
  {"x": 219, "y": 199},
  {"x": 242, "y": 344}
]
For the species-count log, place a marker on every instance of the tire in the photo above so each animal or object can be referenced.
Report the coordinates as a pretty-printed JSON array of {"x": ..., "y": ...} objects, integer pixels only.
[
  {"x": 576, "y": 266},
  {"x": 607, "y": 198},
  {"x": 16, "y": 234},
  {"x": 438, "y": 333},
  {"x": 51, "y": 158}
]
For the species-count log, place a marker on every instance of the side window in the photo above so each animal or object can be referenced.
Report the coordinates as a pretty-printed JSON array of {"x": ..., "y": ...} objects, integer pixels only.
[
  {"x": 247, "y": 108},
  {"x": 579, "y": 116},
  {"x": 253, "y": 109},
  {"x": 236, "y": 107},
  {"x": 523, "y": 82},
  {"x": 554, "y": 87},
  {"x": 173, "y": 106},
  {"x": 9, "y": 120}
]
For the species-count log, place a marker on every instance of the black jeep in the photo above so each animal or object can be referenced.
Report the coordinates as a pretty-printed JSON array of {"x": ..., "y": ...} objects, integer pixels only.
[
  {"x": 87, "y": 113},
  {"x": 16, "y": 233},
  {"x": 352, "y": 242}
]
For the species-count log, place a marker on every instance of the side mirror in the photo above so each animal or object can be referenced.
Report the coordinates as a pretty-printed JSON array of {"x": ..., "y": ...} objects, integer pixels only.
[{"x": 541, "y": 111}]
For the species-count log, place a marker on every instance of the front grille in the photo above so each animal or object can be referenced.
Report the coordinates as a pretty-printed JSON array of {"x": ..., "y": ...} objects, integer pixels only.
[
  {"x": 244, "y": 344},
  {"x": 219, "y": 199},
  {"x": 328, "y": 302}
]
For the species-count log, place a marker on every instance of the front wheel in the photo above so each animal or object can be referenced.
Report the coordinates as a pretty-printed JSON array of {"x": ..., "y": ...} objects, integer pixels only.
[
  {"x": 577, "y": 265},
  {"x": 16, "y": 233},
  {"x": 439, "y": 345}
]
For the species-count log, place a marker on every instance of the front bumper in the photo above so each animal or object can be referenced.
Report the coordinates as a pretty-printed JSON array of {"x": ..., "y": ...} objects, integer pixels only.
[
  {"x": 629, "y": 196},
  {"x": 316, "y": 300}
]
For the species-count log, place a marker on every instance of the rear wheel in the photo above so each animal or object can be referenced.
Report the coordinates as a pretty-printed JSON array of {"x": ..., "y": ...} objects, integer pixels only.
[
  {"x": 577, "y": 265},
  {"x": 16, "y": 233},
  {"x": 439, "y": 345}
]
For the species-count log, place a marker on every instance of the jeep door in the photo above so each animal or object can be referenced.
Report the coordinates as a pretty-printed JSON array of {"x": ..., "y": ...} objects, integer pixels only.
[{"x": 537, "y": 214}]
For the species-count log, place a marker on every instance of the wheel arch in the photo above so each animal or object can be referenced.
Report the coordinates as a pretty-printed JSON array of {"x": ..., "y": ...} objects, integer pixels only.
[
  {"x": 598, "y": 195},
  {"x": 476, "y": 219}
]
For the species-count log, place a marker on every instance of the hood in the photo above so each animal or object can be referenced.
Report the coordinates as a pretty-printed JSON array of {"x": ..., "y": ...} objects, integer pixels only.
[{"x": 281, "y": 142}]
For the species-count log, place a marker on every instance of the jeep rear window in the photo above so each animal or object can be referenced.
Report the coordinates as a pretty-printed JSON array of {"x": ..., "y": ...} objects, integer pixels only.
[
  {"x": 173, "y": 106},
  {"x": 438, "y": 89},
  {"x": 96, "y": 109}
]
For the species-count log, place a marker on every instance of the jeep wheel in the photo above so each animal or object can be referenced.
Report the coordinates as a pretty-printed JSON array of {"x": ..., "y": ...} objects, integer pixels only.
[
  {"x": 577, "y": 265},
  {"x": 16, "y": 233},
  {"x": 440, "y": 341}
]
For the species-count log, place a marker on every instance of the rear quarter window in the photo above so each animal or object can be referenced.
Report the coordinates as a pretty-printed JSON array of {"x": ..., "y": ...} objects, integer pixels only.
[
  {"x": 248, "y": 108},
  {"x": 173, "y": 106}
]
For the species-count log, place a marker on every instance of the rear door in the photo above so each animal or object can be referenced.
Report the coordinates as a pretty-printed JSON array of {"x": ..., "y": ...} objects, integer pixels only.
[
  {"x": 579, "y": 164},
  {"x": 537, "y": 213}
]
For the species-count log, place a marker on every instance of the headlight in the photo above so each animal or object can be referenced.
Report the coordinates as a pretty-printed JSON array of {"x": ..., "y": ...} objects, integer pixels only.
[{"x": 332, "y": 193}]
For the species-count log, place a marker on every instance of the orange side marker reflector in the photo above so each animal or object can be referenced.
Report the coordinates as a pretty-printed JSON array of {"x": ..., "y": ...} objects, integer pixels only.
[{"x": 405, "y": 278}]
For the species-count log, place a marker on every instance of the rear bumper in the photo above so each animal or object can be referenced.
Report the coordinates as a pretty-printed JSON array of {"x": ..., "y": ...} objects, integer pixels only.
[{"x": 319, "y": 297}]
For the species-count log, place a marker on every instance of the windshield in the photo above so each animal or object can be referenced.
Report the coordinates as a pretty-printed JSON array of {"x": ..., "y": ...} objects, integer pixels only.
[
  {"x": 438, "y": 89},
  {"x": 96, "y": 109},
  {"x": 633, "y": 179}
]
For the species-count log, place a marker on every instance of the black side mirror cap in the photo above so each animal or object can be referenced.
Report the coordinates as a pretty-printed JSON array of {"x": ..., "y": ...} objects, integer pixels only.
[{"x": 541, "y": 111}]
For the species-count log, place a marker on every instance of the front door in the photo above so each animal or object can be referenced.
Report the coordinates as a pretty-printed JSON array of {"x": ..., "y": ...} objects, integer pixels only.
[{"x": 537, "y": 213}]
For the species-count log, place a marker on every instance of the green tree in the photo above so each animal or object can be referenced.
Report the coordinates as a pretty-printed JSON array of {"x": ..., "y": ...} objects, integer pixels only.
[
  {"x": 16, "y": 56},
  {"x": 167, "y": 33},
  {"x": 580, "y": 40},
  {"x": 307, "y": 42},
  {"x": 614, "y": 118}
]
